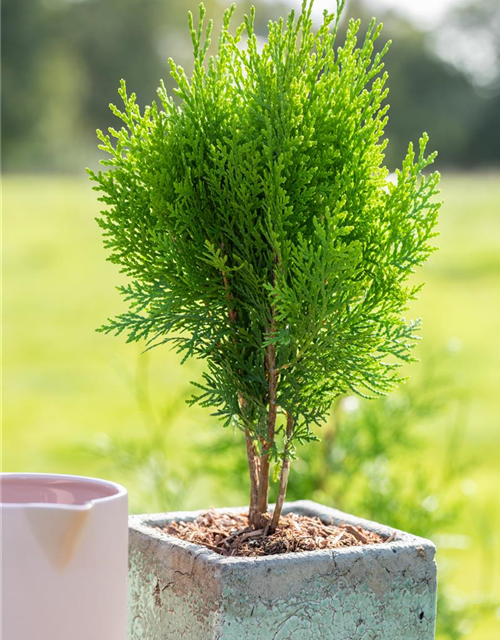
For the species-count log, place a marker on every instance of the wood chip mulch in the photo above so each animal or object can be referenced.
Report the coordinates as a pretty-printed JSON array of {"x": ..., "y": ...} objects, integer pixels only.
[{"x": 230, "y": 535}]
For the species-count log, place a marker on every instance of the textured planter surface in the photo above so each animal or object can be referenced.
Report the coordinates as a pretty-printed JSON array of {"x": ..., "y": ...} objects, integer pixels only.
[{"x": 375, "y": 592}]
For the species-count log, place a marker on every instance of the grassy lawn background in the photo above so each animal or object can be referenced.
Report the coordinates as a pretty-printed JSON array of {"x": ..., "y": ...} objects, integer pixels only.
[{"x": 64, "y": 384}]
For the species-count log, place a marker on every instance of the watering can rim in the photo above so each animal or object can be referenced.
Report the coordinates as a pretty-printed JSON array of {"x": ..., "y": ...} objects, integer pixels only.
[{"x": 120, "y": 491}]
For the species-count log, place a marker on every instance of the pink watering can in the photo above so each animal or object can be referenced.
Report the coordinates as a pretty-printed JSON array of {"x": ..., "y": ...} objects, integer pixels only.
[{"x": 63, "y": 558}]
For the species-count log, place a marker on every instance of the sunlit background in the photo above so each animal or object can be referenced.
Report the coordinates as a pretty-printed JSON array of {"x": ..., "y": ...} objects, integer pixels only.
[{"x": 425, "y": 459}]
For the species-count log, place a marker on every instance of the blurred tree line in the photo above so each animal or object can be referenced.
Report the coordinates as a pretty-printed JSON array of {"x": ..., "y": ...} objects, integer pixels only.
[{"x": 62, "y": 61}]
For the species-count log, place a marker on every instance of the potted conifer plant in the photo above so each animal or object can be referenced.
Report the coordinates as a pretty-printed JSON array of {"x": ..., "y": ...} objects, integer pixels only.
[{"x": 257, "y": 224}]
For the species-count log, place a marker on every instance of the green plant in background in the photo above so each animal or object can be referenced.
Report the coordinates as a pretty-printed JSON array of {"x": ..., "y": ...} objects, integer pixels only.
[
  {"x": 143, "y": 461},
  {"x": 260, "y": 232}
]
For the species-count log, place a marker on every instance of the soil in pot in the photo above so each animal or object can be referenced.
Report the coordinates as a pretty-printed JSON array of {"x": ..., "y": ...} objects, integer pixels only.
[{"x": 229, "y": 534}]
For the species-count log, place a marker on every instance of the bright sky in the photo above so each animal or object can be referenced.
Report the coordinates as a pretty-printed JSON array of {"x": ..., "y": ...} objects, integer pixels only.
[{"x": 426, "y": 12}]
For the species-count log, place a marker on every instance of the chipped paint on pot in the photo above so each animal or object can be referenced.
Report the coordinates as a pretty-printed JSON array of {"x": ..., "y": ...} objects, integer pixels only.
[{"x": 184, "y": 591}]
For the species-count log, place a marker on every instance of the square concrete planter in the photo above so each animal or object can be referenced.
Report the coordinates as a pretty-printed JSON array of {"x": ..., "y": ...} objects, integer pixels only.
[{"x": 178, "y": 590}]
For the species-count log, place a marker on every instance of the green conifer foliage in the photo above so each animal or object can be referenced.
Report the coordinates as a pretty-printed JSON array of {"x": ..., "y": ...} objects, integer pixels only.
[{"x": 256, "y": 222}]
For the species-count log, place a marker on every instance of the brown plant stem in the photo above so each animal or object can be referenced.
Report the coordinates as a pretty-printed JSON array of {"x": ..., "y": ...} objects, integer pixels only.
[
  {"x": 253, "y": 460},
  {"x": 253, "y": 467},
  {"x": 285, "y": 470},
  {"x": 268, "y": 441}
]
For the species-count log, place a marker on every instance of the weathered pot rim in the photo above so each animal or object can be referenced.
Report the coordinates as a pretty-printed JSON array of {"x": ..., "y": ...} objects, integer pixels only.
[{"x": 151, "y": 525}]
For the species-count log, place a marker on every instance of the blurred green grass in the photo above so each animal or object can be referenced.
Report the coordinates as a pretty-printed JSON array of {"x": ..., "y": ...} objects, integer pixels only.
[{"x": 64, "y": 384}]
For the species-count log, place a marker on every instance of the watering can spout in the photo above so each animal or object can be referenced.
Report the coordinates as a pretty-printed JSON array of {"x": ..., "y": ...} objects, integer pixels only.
[{"x": 58, "y": 530}]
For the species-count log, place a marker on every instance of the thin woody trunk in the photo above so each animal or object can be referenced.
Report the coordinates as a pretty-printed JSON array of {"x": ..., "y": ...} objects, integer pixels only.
[
  {"x": 257, "y": 516},
  {"x": 253, "y": 467},
  {"x": 285, "y": 470},
  {"x": 253, "y": 459},
  {"x": 268, "y": 442},
  {"x": 259, "y": 465}
]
